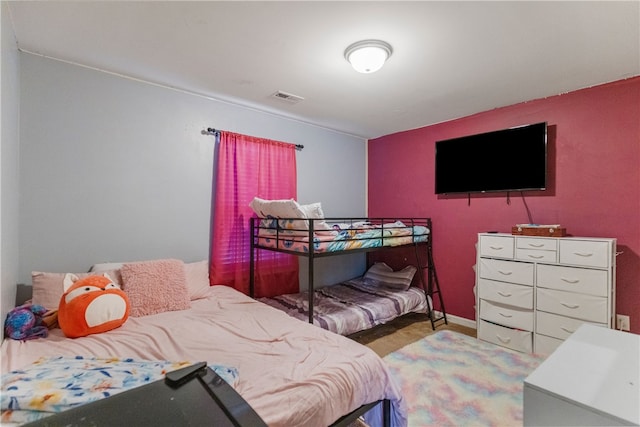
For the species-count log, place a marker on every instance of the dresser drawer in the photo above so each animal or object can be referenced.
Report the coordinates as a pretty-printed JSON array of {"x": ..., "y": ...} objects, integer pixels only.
[
  {"x": 540, "y": 244},
  {"x": 514, "y": 317},
  {"x": 572, "y": 279},
  {"x": 506, "y": 271},
  {"x": 506, "y": 337},
  {"x": 588, "y": 253},
  {"x": 506, "y": 293},
  {"x": 546, "y": 345},
  {"x": 558, "y": 326},
  {"x": 496, "y": 246},
  {"x": 579, "y": 306},
  {"x": 536, "y": 255}
]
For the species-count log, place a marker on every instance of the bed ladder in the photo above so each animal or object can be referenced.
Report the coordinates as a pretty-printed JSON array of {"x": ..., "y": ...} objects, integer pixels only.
[{"x": 432, "y": 286}]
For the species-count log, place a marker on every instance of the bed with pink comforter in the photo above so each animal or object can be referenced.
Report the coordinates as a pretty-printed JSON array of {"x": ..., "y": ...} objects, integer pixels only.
[{"x": 292, "y": 373}]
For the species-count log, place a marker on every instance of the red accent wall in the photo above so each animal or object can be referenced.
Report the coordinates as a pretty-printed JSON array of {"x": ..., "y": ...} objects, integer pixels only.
[{"x": 594, "y": 185}]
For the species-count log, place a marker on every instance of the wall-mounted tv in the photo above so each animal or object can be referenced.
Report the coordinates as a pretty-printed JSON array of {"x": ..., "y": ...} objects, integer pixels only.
[{"x": 513, "y": 159}]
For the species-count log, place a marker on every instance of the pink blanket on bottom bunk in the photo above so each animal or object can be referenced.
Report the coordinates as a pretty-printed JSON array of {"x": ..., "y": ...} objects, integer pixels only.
[{"x": 291, "y": 373}]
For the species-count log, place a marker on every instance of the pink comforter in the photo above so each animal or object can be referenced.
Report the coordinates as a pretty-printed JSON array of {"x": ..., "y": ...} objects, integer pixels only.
[{"x": 292, "y": 373}]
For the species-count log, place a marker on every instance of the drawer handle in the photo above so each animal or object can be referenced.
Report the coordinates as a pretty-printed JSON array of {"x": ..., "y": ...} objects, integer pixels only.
[
  {"x": 570, "y": 331},
  {"x": 505, "y": 273},
  {"x": 572, "y": 306},
  {"x": 572, "y": 281},
  {"x": 505, "y": 315},
  {"x": 536, "y": 256},
  {"x": 539, "y": 245},
  {"x": 584, "y": 254},
  {"x": 503, "y": 340},
  {"x": 497, "y": 248},
  {"x": 504, "y": 294}
]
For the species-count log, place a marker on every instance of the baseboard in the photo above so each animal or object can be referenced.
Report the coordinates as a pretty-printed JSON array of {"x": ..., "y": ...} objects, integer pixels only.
[{"x": 458, "y": 320}]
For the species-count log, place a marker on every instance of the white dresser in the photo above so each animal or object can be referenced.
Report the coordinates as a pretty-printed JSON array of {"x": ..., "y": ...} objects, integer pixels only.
[
  {"x": 533, "y": 292},
  {"x": 592, "y": 379}
]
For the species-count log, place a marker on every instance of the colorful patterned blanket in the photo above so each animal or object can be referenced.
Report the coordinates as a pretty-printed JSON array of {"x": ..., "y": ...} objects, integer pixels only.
[
  {"x": 56, "y": 384},
  {"x": 451, "y": 379},
  {"x": 344, "y": 237}
]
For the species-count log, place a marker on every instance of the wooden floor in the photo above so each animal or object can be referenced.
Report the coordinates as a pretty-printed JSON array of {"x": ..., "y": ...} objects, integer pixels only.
[{"x": 392, "y": 336}]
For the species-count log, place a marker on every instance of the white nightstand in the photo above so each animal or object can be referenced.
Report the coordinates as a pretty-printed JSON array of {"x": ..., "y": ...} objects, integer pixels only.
[{"x": 592, "y": 379}]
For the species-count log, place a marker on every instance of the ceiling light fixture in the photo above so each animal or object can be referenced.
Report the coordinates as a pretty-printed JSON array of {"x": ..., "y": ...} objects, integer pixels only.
[{"x": 368, "y": 56}]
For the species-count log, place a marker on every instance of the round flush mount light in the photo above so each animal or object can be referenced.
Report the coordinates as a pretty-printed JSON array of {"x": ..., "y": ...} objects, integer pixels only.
[{"x": 368, "y": 56}]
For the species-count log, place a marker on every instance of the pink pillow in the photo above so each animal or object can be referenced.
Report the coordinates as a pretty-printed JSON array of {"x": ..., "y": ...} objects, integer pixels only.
[
  {"x": 197, "y": 279},
  {"x": 155, "y": 286},
  {"x": 48, "y": 287}
]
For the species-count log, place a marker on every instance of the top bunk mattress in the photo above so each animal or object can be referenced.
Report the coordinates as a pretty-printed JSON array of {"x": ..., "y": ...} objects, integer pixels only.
[{"x": 334, "y": 235}]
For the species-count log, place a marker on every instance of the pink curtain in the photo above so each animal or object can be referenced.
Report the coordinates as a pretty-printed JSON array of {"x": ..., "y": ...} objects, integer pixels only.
[{"x": 248, "y": 167}]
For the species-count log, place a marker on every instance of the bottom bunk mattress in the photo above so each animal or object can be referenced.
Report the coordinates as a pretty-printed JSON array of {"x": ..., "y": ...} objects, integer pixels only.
[{"x": 351, "y": 306}]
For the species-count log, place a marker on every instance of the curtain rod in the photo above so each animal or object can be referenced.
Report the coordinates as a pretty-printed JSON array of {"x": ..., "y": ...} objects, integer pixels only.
[{"x": 212, "y": 131}]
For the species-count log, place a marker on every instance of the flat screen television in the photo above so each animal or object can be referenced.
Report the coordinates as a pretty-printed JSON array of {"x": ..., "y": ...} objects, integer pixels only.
[{"x": 513, "y": 159}]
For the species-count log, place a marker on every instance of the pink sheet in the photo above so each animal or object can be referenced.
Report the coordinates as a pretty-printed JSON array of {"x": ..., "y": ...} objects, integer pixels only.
[{"x": 292, "y": 373}]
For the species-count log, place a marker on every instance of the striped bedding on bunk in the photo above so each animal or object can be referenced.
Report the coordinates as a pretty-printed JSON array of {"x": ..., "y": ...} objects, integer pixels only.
[
  {"x": 341, "y": 237},
  {"x": 351, "y": 306}
]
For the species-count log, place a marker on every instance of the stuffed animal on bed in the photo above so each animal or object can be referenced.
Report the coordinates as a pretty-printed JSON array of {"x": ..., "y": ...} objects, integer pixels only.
[
  {"x": 26, "y": 322},
  {"x": 91, "y": 305}
]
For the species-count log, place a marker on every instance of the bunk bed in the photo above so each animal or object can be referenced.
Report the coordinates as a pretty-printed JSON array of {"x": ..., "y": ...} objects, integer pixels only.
[{"x": 318, "y": 237}]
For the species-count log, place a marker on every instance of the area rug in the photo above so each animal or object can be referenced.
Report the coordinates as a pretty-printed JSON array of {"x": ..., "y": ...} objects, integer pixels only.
[{"x": 451, "y": 379}]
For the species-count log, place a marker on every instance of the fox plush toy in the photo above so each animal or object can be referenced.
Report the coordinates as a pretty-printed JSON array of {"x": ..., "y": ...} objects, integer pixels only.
[{"x": 91, "y": 305}]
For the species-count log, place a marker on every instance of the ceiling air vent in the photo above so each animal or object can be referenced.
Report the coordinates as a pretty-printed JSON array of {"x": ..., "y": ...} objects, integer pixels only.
[{"x": 289, "y": 97}]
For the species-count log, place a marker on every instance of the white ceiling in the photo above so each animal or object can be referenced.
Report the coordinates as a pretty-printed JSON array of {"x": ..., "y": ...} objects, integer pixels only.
[{"x": 450, "y": 59}]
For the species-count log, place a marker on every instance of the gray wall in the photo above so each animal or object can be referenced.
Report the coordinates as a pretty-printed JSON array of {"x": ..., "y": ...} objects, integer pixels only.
[
  {"x": 116, "y": 169},
  {"x": 9, "y": 158}
]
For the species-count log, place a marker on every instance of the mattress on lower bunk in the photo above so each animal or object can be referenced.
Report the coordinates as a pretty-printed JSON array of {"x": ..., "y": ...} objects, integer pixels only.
[
  {"x": 340, "y": 237},
  {"x": 351, "y": 306}
]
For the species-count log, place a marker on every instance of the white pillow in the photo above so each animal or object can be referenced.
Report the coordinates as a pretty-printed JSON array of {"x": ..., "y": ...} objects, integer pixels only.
[
  {"x": 280, "y": 209},
  {"x": 197, "y": 279},
  {"x": 312, "y": 210},
  {"x": 380, "y": 274},
  {"x": 276, "y": 208},
  {"x": 105, "y": 266}
]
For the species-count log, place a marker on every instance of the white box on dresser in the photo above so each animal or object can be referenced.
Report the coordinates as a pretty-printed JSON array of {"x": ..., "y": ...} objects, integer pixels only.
[
  {"x": 592, "y": 379},
  {"x": 533, "y": 292}
]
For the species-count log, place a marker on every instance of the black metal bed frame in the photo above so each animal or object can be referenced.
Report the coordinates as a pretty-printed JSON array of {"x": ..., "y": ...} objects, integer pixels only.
[
  {"x": 354, "y": 415},
  {"x": 431, "y": 287}
]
